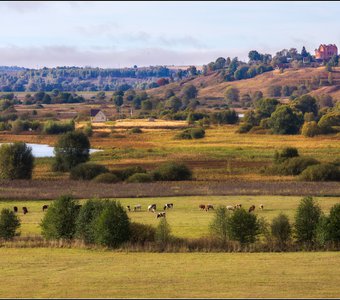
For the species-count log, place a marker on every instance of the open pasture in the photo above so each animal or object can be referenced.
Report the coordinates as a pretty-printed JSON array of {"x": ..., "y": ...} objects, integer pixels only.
[
  {"x": 185, "y": 218},
  {"x": 79, "y": 273}
]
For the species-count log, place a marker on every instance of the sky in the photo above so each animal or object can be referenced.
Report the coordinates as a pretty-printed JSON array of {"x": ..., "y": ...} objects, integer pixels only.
[{"x": 112, "y": 34}]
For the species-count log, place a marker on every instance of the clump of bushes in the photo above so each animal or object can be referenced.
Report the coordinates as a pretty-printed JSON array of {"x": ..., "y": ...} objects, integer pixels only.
[
  {"x": 87, "y": 171},
  {"x": 191, "y": 133},
  {"x": 140, "y": 177},
  {"x": 321, "y": 172},
  {"x": 106, "y": 178},
  {"x": 124, "y": 174},
  {"x": 136, "y": 130},
  {"x": 52, "y": 127},
  {"x": 172, "y": 171},
  {"x": 287, "y": 152},
  {"x": 292, "y": 166}
]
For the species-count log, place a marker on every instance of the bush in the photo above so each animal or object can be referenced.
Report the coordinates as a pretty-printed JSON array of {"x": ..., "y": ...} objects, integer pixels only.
[
  {"x": 136, "y": 130},
  {"x": 87, "y": 171},
  {"x": 293, "y": 166},
  {"x": 85, "y": 220},
  {"x": 124, "y": 174},
  {"x": 9, "y": 223},
  {"x": 306, "y": 220},
  {"x": 106, "y": 178},
  {"x": 72, "y": 149},
  {"x": 197, "y": 133},
  {"x": 284, "y": 120},
  {"x": 112, "y": 226},
  {"x": 52, "y": 127},
  {"x": 219, "y": 225},
  {"x": 172, "y": 171},
  {"x": 310, "y": 129},
  {"x": 141, "y": 233},
  {"x": 140, "y": 177},
  {"x": 88, "y": 131},
  {"x": 16, "y": 161},
  {"x": 281, "y": 229},
  {"x": 243, "y": 226},
  {"x": 287, "y": 152},
  {"x": 321, "y": 172},
  {"x": 59, "y": 221},
  {"x": 184, "y": 135}
]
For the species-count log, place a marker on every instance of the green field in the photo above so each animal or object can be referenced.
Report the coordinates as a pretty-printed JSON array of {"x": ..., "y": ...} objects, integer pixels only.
[
  {"x": 185, "y": 219},
  {"x": 75, "y": 273}
]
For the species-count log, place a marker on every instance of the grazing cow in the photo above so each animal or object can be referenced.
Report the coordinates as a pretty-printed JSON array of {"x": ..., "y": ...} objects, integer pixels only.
[
  {"x": 251, "y": 208},
  {"x": 168, "y": 205},
  {"x": 15, "y": 209},
  {"x": 128, "y": 207},
  {"x": 230, "y": 207},
  {"x": 25, "y": 210},
  {"x": 238, "y": 206},
  {"x": 209, "y": 206},
  {"x": 261, "y": 206},
  {"x": 161, "y": 214},
  {"x": 202, "y": 206},
  {"x": 152, "y": 207},
  {"x": 44, "y": 207},
  {"x": 138, "y": 206}
]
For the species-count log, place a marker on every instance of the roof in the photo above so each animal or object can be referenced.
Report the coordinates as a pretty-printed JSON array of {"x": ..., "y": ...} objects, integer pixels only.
[{"x": 94, "y": 112}]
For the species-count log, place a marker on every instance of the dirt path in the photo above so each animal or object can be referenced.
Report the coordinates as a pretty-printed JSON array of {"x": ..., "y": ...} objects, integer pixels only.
[{"x": 39, "y": 189}]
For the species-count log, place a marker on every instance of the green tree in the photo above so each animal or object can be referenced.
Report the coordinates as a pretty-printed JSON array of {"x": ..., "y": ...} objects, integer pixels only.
[
  {"x": 59, "y": 221},
  {"x": 72, "y": 149},
  {"x": 112, "y": 226},
  {"x": 220, "y": 224},
  {"x": 189, "y": 92},
  {"x": 174, "y": 104},
  {"x": 265, "y": 107},
  {"x": 146, "y": 105},
  {"x": 244, "y": 226},
  {"x": 85, "y": 220},
  {"x": 306, "y": 220},
  {"x": 334, "y": 223},
  {"x": 306, "y": 103},
  {"x": 9, "y": 223},
  {"x": 231, "y": 94},
  {"x": 284, "y": 120},
  {"x": 310, "y": 129},
  {"x": 163, "y": 233},
  {"x": 16, "y": 161},
  {"x": 118, "y": 100},
  {"x": 274, "y": 91},
  {"x": 281, "y": 229}
]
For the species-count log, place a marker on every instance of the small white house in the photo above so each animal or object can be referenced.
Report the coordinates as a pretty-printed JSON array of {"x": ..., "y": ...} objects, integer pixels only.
[{"x": 97, "y": 116}]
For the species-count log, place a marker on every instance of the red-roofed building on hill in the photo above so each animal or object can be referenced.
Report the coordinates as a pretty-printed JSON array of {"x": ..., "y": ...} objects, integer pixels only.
[{"x": 326, "y": 52}]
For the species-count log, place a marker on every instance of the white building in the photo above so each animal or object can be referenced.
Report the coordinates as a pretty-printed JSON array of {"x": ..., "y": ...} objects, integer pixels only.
[{"x": 97, "y": 116}]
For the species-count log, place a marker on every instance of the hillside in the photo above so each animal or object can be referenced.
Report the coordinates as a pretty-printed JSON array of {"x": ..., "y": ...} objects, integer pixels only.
[{"x": 212, "y": 86}]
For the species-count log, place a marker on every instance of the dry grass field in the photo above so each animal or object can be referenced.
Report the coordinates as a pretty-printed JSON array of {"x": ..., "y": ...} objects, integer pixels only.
[{"x": 78, "y": 273}]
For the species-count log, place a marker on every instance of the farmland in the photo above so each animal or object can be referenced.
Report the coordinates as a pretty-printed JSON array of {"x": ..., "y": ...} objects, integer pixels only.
[{"x": 73, "y": 273}]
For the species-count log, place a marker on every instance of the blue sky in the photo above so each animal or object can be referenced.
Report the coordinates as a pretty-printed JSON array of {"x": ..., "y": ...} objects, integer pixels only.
[{"x": 122, "y": 34}]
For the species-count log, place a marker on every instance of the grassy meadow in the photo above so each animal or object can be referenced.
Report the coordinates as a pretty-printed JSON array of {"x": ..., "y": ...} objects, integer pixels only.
[
  {"x": 185, "y": 219},
  {"x": 79, "y": 273},
  {"x": 221, "y": 155}
]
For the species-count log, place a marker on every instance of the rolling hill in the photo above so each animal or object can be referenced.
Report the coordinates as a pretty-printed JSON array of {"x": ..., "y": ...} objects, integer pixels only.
[{"x": 212, "y": 86}]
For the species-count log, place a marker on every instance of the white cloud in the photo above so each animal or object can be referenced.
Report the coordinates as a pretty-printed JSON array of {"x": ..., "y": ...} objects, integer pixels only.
[{"x": 51, "y": 56}]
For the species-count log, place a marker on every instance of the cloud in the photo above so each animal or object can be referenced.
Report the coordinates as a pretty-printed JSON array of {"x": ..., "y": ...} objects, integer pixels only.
[{"x": 52, "y": 56}]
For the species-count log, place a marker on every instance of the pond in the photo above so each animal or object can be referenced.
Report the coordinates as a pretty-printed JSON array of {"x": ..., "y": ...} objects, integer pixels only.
[{"x": 41, "y": 150}]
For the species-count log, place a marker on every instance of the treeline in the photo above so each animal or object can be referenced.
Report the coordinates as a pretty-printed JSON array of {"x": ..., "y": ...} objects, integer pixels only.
[
  {"x": 84, "y": 79},
  {"x": 106, "y": 223}
]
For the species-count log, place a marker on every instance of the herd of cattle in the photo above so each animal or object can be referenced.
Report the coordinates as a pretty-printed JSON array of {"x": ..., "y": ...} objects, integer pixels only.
[{"x": 153, "y": 207}]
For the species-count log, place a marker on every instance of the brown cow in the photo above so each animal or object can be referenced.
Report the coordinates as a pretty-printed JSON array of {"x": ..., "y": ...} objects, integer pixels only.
[
  {"x": 15, "y": 209},
  {"x": 44, "y": 207},
  {"x": 251, "y": 208},
  {"x": 209, "y": 206},
  {"x": 25, "y": 210},
  {"x": 201, "y": 206},
  {"x": 261, "y": 206}
]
